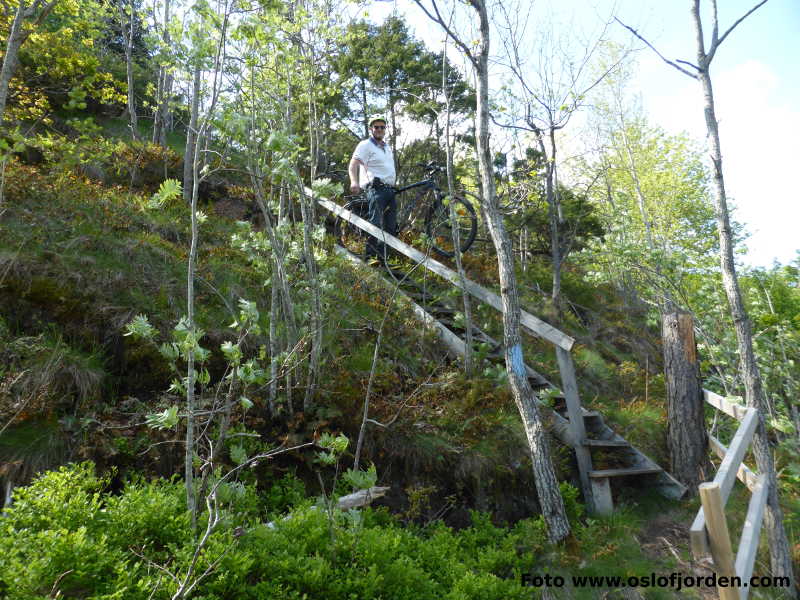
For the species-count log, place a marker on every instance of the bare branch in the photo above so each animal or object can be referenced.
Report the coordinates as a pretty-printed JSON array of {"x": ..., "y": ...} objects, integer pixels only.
[
  {"x": 154, "y": 564},
  {"x": 732, "y": 27},
  {"x": 687, "y": 63},
  {"x": 54, "y": 593},
  {"x": 45, "y": 11},
  {"x": 440, "y": 20},
  {"x": 510, "y": 126},
  {"x": 661, "y": 56},
  {"x": 714, "y": 25},
  {"x": 403, "y": 405}
]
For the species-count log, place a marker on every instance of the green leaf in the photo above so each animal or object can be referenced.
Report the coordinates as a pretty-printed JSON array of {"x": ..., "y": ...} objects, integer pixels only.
[
  {"x": 169, "y": 189},
  {"x": 140, "y": 327},
  {"x": 163, "y": 420},
  {"x": 361, "y": 480},
  {"x": 238, "y": 454},
  {"x": 232, "y": 352}
]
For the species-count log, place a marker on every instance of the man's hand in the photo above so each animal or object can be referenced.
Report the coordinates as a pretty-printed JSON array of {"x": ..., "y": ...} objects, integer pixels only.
[{"x": 352, "y": 170}]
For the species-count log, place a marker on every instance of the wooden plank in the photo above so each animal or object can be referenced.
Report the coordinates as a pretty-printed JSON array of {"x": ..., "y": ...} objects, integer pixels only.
[
  {"x": 698, "y": 536},
  {"x": 725, "y": 477},
  {"x": 744, "y": 474},
  {"x": 601, "y": 494},
  {"x": 624, "y": 472},
  {"x": 726, "y": 474},
  {"x": 748, "y": 543},
  {"x": 606, "y": 443},
  {"x": 528, "y": 321},
  {"x": 591, "y": 414},
  {"x": 713, "y": 505},
  {"x": 737, "y": 411},
  {"x": 569, "y": 386}
]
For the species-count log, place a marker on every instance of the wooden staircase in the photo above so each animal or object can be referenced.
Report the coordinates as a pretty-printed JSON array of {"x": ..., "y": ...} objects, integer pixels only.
[
  {"x": 438, "y": 313},
  {"x": 584, "y": 430}
]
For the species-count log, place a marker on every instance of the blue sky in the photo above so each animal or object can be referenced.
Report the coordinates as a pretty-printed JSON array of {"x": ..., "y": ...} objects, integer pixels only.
[
  {"x": 757, "y": 89},
  {"x": 757, "y": 92}
]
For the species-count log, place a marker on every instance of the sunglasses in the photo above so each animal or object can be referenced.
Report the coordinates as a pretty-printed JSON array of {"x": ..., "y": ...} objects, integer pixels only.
[{"x": 379, "y": 126}]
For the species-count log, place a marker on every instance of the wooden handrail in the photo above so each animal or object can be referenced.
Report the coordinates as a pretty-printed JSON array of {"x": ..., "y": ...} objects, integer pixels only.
[
  {"x": 726, "y": 474},
  {"x": 748, "y": 544},
  {"x": 743, "y": 474},
  {"x": 528, "y": 321},
  {"x": 715, "y": 494},
  {"x": 737, "y": 411}
]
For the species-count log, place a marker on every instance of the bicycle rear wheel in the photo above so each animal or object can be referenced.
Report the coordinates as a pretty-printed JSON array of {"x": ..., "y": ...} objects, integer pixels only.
[
  {"x": 439, "y": 228},
  {"x": 350, "y": 237}
]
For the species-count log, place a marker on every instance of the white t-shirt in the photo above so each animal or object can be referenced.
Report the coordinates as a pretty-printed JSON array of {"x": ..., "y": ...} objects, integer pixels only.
[{"x": 378, "y": 160}]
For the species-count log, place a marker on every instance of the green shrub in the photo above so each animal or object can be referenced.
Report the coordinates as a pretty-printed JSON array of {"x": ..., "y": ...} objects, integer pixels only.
[{"x": 66, "y": 533}]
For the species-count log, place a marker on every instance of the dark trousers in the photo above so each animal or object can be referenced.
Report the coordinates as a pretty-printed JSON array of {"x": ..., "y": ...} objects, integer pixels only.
[{"x": 383, "y": 214}]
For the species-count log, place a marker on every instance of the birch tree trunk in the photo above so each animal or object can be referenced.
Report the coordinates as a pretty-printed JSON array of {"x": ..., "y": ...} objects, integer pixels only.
[
  {"x": 780, "y": 553},
  {"x": 550, "y": 499}
]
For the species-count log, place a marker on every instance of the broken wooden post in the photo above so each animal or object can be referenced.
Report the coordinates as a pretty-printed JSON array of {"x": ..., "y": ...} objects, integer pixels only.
[{"x": 686, "y": 435}]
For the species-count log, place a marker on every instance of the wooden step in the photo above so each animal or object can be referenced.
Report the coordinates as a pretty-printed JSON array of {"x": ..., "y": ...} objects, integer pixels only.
[
  {"x": 587, "y": 414},
  {"x": 623, "y": 472},
  {"x": 606, "y": 443},
  {"x": 592, "y": 414}
]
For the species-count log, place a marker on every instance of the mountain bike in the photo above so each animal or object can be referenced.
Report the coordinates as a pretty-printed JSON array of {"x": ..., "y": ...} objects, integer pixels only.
[{"x": 431, "y": 203}]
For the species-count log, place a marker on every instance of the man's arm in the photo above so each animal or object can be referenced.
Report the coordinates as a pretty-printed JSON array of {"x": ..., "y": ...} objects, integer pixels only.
[{"x": 355, "y": 163}]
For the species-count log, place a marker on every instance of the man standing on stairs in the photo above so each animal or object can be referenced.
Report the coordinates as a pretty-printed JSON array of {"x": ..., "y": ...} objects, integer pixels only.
[{"x": 372, "y": 169}]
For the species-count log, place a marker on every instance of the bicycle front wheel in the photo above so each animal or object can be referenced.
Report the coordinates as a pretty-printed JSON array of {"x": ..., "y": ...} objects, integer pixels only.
[
  {"x": 440, "y": 230},
  {"x": 350, "y": 237}
]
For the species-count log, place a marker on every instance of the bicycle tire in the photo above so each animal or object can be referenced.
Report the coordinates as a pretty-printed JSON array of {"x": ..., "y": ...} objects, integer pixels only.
[
  {"x": 349, "y": 236},
  {"x": 440, "y": 231}
]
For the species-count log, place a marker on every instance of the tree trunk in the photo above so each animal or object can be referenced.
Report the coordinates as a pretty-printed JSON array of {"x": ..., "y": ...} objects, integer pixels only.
[
  {"x": 161, "y": 117},
  {"x": 553, "y": 212},
  {"x": 686, "y": 439},
  {"x": 274, "y": 307},
  {"x": 364, "y": 105},
  {"x": 127, "y": 36},
  {"x": 308, "y": 216},
  {"x": 191, "y": 138},
  {"x": 780, "y": 553},
  {"x": 468, "y": 349},
  {"x": 191, "y": 499},
  {"x": 549, "y": 494},
  {"x": 316, "y": 322},
  {"x": 11, "y": 57}
]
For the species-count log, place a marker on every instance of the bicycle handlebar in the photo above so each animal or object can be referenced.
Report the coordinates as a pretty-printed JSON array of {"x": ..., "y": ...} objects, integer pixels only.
[{"x": 431, "y": 167}]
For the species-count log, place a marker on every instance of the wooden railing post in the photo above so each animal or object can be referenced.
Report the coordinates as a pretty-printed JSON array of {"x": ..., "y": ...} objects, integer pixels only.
[
  {"x": 569, "y": 385},
  {"x": 719, "y": 538}
]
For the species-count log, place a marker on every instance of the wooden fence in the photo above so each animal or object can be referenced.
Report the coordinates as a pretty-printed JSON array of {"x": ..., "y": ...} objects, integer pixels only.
[{"x": 709, "y": 532}]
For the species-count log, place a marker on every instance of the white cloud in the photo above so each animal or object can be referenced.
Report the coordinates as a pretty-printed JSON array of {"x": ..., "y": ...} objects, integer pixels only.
[{"x": 759, "y": 130}]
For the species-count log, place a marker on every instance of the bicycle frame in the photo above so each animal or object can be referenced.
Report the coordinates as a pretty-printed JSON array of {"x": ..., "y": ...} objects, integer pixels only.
[{"x": 403, "y": 219}]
